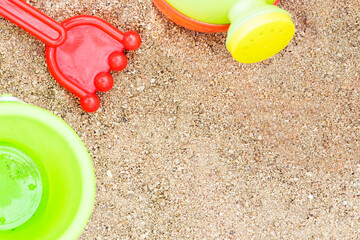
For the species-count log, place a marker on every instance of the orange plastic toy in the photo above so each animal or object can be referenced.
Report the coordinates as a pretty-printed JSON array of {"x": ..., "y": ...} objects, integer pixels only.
[
  {"x": 256, "y": 29},
  {"x": 188, "y": 22}
]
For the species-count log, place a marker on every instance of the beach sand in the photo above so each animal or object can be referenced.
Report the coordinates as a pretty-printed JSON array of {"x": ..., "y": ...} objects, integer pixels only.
[{"x": 190, "y": 144}]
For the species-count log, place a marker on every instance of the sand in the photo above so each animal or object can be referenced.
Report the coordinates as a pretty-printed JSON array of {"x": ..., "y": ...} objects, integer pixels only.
[{"x": 190, "y": 144}]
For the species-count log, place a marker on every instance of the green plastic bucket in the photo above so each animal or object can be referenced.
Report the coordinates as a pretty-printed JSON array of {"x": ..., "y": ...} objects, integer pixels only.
[{"x": 47, "y": 182}]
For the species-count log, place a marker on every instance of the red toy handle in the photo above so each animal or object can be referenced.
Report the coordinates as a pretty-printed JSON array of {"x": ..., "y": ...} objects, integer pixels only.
[{"x": 33, "y": 21}]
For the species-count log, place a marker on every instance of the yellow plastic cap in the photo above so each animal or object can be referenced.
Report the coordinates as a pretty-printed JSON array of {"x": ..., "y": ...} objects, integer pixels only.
[{"x": 261, "y": 37}]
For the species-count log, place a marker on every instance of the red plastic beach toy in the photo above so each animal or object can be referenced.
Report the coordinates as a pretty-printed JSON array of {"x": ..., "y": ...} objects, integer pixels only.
[{"x": 81, "y": 51}]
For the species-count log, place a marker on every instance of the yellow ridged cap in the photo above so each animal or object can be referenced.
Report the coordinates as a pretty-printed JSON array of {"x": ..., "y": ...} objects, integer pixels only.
[{"x": 261, "y": 37}]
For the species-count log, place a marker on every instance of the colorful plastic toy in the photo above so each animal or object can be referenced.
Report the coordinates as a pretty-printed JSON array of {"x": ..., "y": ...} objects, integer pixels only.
[
  {"x": 80, "y": 52},
  {"x": 47, "y": 180},
  {"x": 258, "y": 29}
]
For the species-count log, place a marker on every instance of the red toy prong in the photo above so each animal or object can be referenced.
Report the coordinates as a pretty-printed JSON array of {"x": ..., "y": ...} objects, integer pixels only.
[
  {"x": 104, "y": 82},
  {"x": 132, "y": 40},
  {"x": 118, "y": 61},
  {"x": 90, "y": 103}
]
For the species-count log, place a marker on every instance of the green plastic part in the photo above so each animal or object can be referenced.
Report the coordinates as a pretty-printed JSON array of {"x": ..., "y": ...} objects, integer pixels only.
[
  {"x": 20, "y": 188},
  {"x": 208, "y": 11},
  {"x": 258, "y": 29},
  {"x": 47, "y": 178}
]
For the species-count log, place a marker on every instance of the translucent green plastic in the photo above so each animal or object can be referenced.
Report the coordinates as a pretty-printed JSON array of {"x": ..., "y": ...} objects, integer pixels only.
[
  {"x": 208, "y": 11},
  {"x": 66, "y": 182},
  {"x": 20, "y": 186}
]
